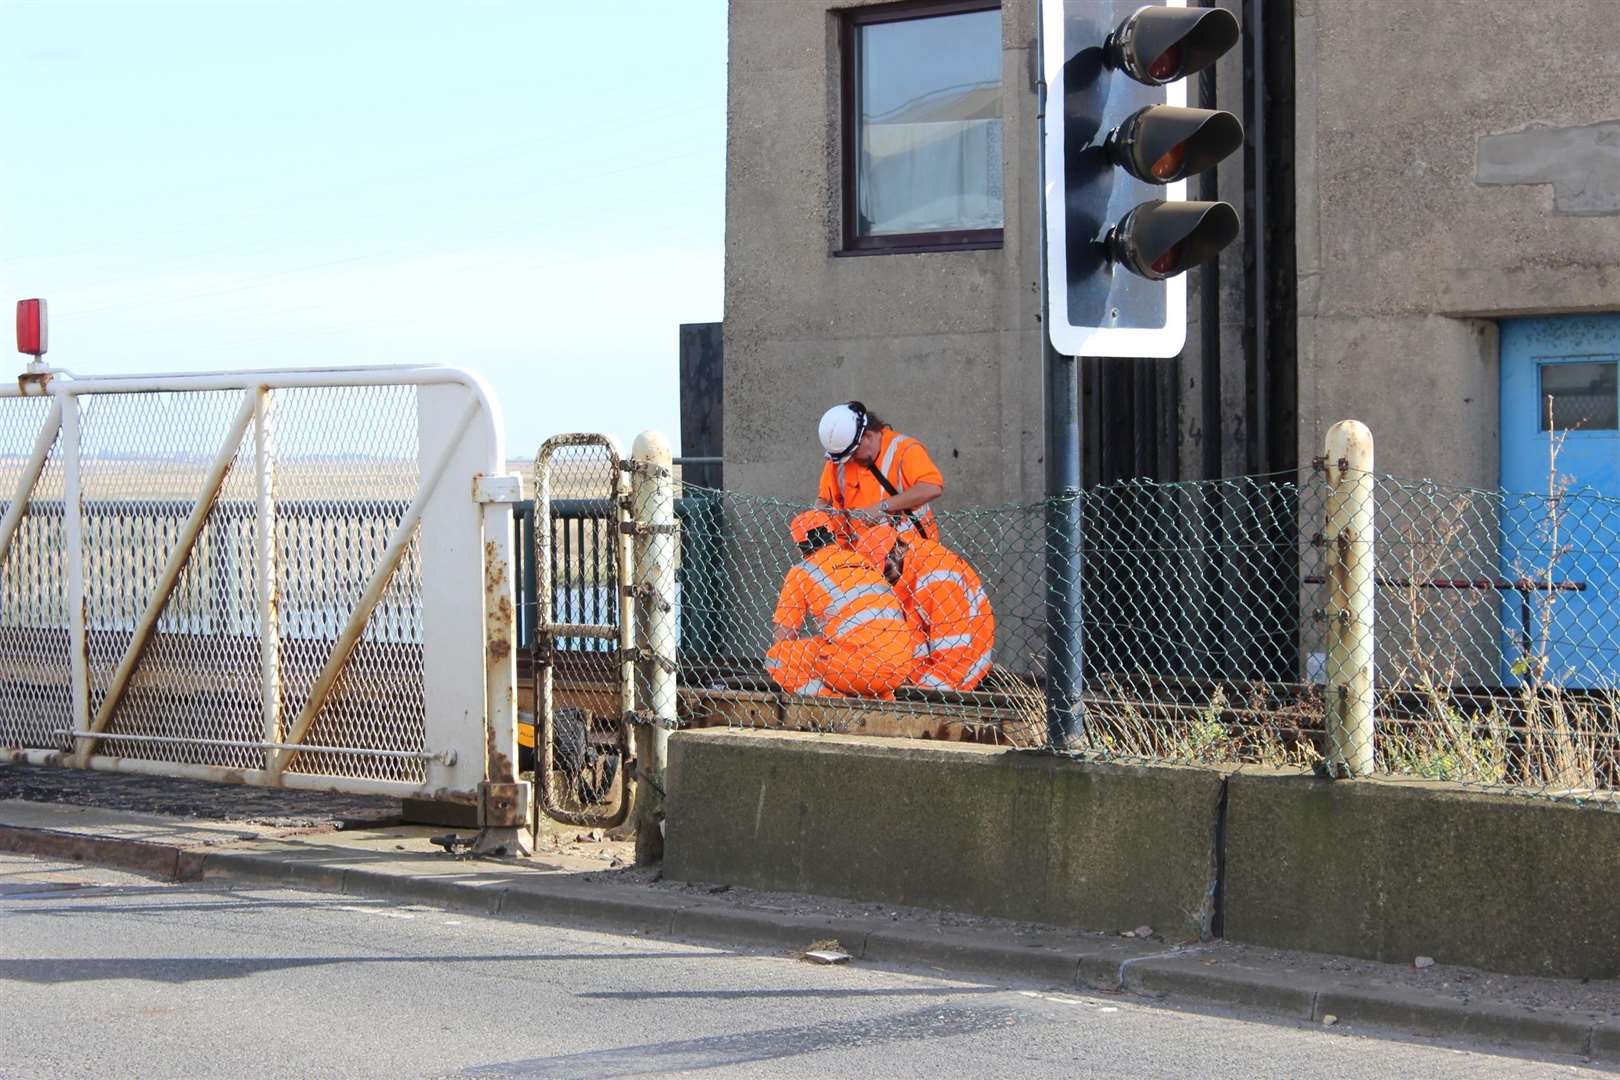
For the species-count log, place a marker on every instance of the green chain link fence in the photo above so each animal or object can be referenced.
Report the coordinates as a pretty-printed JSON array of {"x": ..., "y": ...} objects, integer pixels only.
[{"x": 1216, "y": 617}]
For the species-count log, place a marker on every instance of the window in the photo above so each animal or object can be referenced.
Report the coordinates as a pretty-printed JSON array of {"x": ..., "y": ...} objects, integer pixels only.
[
  {"x": 922, "y": 127},
  {"x": 1583, "y": 397}
]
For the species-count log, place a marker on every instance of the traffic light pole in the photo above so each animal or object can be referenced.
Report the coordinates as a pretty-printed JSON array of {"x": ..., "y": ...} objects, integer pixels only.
[{"x": 1065, "y": 669}]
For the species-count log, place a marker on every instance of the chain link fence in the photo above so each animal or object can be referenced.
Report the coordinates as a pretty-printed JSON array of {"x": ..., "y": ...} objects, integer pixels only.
[{"x": 1416, "y": 630}]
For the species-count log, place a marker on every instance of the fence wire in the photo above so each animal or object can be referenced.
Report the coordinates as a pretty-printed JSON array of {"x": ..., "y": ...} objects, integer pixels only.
[{"x": 1215, "y": 622}]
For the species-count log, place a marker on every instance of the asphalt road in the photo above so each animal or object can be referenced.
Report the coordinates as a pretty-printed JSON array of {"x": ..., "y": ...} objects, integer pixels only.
[{"x": 106, "y": 974}]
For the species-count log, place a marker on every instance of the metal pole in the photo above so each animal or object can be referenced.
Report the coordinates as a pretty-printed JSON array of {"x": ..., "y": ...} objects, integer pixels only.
[
  {"x": 1348, "y": 541},
  {"x": 73, "y": 545},
  {"x": 656, "y": 542},
  {"x": 504, "y": 800},
  {"x": 1065, "y": 668},
  {"x": 265, "y": 539}
]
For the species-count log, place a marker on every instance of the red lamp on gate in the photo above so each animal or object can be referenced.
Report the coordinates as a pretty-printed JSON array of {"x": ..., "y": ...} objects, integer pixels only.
[{"x": 31, "y": 328}]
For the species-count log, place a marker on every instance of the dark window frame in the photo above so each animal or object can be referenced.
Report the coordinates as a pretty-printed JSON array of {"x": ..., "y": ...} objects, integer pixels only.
[{"x": 850, "y": 22}]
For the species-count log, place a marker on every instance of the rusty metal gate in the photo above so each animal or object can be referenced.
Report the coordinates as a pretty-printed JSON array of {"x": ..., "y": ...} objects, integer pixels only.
[
  {"x": 262, "y": 577},
  {"x": 583, "y": 660}
]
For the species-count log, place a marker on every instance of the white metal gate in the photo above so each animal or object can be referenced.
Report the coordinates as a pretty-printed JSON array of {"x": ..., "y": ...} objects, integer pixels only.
[{"x": 286, "y": 578}]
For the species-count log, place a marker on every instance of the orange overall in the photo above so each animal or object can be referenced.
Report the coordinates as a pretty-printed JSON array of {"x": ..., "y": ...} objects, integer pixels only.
[
  {"x": 903, "y": 461},
  {"x": 945, "y": 600},
  {"x": 865, "y": 648}
]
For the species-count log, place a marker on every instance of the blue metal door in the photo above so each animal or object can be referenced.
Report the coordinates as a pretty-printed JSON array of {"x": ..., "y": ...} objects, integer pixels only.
[{"x": 1558, "y": 549}]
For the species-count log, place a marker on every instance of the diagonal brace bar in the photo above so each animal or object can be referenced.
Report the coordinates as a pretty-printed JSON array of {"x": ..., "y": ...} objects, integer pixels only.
[
  {"x": 170, "y": 577},
  {"x": 356, "y": 624},
  {"x": 30, "y": 476}
]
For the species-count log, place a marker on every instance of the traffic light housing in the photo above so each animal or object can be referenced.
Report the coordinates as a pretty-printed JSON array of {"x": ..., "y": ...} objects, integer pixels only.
[{"x": 1120, "y": 144}]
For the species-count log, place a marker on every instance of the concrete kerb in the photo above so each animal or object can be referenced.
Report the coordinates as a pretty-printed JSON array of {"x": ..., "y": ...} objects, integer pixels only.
[
  {"x": 1105, "y": 964},
  {"x": 1560, "y": 1033},
  {"x": 167, "y": 862}
]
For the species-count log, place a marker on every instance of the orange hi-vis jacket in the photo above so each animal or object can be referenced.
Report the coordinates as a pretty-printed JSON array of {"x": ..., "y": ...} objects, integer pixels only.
[
  {"x": 865, "y": 647},
  {"x": 946, "y": 601},
  {"x": 903, "y": 461}
]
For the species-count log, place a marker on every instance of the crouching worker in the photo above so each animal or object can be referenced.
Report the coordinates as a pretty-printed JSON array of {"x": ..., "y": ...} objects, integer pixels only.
[
  {"x": 944, "y": 600},
  {"x": 864, "y": 646}
]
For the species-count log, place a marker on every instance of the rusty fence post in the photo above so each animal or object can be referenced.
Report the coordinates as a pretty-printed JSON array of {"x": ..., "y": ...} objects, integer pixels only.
[
  {"x": 1348, "y": 546},
  {"x": 657, "y": 541}
]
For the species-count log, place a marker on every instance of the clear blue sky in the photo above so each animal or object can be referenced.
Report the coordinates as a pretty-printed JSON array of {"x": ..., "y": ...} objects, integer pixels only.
[{"x": 533, "y": 190}]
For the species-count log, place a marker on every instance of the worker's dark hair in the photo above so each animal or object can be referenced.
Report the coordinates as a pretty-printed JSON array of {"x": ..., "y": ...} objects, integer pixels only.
[
  {"x": 874, "y": 422},
  {"x": 816, "y": 539}
]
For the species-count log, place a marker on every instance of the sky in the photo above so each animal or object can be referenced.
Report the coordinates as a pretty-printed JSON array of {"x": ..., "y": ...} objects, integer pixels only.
[{"x": 532, "y": 190}]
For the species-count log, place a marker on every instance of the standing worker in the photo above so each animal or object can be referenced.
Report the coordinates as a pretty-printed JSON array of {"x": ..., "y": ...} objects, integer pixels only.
[
  {"x": 864, "y": 646},
  {"x": 944, "y": 600},
  {"x": 874, "y": 469}
]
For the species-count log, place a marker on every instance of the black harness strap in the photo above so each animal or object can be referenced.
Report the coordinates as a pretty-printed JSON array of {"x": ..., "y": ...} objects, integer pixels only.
[{"x": 884, "y": 480}]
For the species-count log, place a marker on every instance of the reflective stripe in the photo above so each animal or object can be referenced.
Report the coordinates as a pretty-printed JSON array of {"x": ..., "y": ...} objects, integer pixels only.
[
  {"x": 839, "y": 597},
  {"x": 888, "y": 613},
  {"x": 888, "y": 457},
  {"x": 933, "y": 577},
  {"x": 975, "y": 596},
  {"x": 812, "y": 688},
  {"x": 843, "y": 598},
  {"x": 953, "y": 641},
  {"x": 920, "y": 651},
  {"x": 934, "y": 682},
  {"x": 820, "y": 577},
  {"x": 772, "y": 664}
]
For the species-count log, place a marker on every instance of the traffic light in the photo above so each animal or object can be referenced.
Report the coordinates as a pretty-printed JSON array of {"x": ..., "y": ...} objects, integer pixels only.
[{"x": 1120, "y": 144}]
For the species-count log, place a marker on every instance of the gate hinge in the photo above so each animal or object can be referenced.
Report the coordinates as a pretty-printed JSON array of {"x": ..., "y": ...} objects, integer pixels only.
[
  {"x": 648, "y": 718},
  {"x": 642, "y": 528},
  {"x": 646, "y": 594},
  {"x": 647, "y": 656},
  {"x": 642, "y": 468},
  {"x": 503, "y": 806},
  {"x": 544, "y": 650},
  {"x": 506, "y": 488}
]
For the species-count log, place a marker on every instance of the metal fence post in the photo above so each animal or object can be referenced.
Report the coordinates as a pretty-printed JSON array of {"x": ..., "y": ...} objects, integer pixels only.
[
  {"x": 1348, "y": 545},
  {"x": 73, "y": 543},
  {"x": 265, "y": 555},
  {"x": 656, "y": 543}
]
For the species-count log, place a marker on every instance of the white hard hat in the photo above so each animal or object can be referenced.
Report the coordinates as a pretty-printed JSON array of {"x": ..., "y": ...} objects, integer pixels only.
[{"x": 841, "y": 429}]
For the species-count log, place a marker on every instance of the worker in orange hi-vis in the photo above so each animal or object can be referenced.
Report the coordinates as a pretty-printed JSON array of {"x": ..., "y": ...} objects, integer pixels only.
[
  {"x": 944, "y": 600},
  {"x": 863, "y": 647},
  {"x": 875, "y": 474}
]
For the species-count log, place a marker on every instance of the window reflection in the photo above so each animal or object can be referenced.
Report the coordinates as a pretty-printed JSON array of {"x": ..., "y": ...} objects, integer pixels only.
[{"x": 929, "y": 113}]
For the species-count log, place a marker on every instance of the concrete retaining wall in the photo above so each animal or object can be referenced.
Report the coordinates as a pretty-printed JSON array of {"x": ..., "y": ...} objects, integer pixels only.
[
  {"x": 1382, "y": 870},
  {"x": 959, "y": 827},
  {"x": 1395, "y": 870}
]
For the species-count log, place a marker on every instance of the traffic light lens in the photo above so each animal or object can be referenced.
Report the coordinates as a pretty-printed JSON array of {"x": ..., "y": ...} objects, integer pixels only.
[
  {"x": 1160, "y": 239},
  {"x": 1165, "y": 143},
  {"x": 1166, "y": 264},
  {"x": 1168, "y": 167},
  {"x": 1161, "y": 44},
  {"x": 1167, "y": 66}
]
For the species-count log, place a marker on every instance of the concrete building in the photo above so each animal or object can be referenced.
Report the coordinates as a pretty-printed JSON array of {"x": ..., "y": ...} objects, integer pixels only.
[{"x": 1417, "y": 175}]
